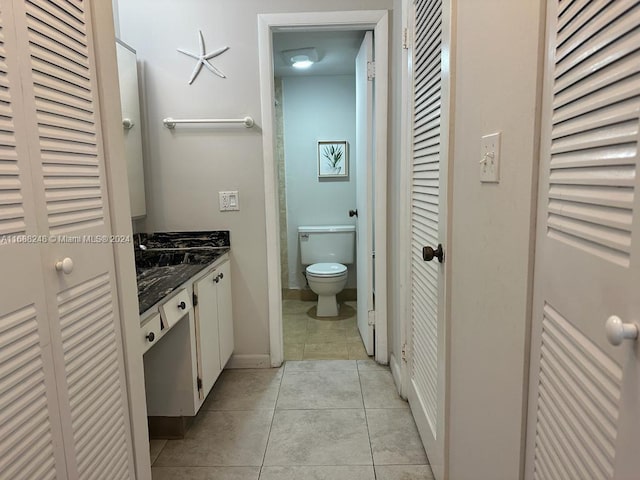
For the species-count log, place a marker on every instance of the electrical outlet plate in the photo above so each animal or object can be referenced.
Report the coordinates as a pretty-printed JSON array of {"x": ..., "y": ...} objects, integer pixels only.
[
  {"x": 490, "y": 158},
  {"x": 229, "y": 201}
]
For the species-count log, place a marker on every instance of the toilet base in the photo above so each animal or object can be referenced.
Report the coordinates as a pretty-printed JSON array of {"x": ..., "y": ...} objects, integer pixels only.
[{"x": 327, "y": 306}]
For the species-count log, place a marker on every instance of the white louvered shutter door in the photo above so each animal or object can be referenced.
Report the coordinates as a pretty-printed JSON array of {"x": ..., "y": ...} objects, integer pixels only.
[
  {"x": 584, "y": 411},
  {"x": 30, "y": 433},
  {"x": 59, "y": 78},
  {"x": 426, "y": 391}
]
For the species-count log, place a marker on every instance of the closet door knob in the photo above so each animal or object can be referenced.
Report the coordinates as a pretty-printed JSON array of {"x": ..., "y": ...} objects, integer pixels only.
[
  {"x": 65, "y": 265},
  {"x": 617, "y": 330},
  {"x": 151, "y": 336},
  {"x": 182, "y": 305},
  {"x": 429, "y": 253}
]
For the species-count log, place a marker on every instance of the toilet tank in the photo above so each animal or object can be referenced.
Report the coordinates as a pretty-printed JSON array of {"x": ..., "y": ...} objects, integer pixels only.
[{"x": 329, "y": 243}]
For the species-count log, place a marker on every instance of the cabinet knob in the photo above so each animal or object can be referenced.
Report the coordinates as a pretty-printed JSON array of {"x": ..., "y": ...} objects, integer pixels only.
[
  {"x": 216, "y": 279},
  {"x": 182, "y": 305},
  {"x": 151, "y": 336},
  {"x": 221, "y": 276},
  {"x": 353, "y": 213},
  {"x": 65, "y": 265}
]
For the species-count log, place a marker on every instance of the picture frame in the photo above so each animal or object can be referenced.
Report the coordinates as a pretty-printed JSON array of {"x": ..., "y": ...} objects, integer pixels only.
[{"x": 333, "y": 159}]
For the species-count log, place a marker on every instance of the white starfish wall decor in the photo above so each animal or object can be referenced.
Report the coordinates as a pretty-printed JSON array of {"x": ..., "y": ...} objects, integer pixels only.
[{"x": 203, "y": 59}]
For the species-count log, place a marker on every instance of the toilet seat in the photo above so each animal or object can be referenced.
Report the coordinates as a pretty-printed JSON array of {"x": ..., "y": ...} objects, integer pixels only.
[{"x": 326, "y": 270}]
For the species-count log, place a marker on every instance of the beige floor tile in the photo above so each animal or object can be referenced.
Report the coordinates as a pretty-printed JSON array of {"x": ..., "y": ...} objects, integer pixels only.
[
  {"x": 326, "y": 336},
  {"x": 325, "y": 351},
  {"x": 379, "y": 390},
  {"x": 296, "y": 306},
  {"x": 293, "y": 351},
  {"x": 319, "y": 437},
  {"x": 205, "y": 473},
  {"x": 404, "y": 472},
  {"x": 245, "y": 389},
  {"x": 352, "y": 334},
  {"x": 370, "y": 364},
  {"x": 356, "y": 351},
  {"x": 155, "y": 447},
  {"x": 318, "y": 473},
  {"x": 320, "y": 389},
  {"x": 297, "y": 334},
  {"x": 314, "y": 325},
  {"x": 394, "y": 437},
  {"x": 221, "y": 439},
  {"x": 321, "y": 365},
  {"x": 295, "y": 319}
]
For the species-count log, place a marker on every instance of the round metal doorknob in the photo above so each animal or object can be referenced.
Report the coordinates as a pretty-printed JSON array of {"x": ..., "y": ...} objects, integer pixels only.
[
  {"x": 428, "y": 253},
  {"x": 65, "y": 265},
  {"x": 617, "y": 330},
  {"x": 151, "y": 336},
  {"x": 353, "y": 213},
  {"x": 127, "y": 123},
  {"x": 182, "y": 305}
]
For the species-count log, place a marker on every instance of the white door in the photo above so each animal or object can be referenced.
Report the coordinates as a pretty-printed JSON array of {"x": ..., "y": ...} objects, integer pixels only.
[
  {"x": 207, "y": 336},
  {"x": 364, "y": 190},
  {"x": 31, "y": 433},
  {"x": 430, "y": 102},
  {"x": 584, "y": 393},
  {"x": 57, "y": 68}
]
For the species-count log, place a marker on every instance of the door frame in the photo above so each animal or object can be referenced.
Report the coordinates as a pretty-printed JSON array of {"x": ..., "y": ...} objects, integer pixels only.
[
  {"x": 401, "y": 367},
  {"x": 376, "y": 20}
]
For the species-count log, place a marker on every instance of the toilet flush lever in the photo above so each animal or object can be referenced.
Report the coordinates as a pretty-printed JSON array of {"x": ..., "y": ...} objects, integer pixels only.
[{"x": 353, "y": 213}]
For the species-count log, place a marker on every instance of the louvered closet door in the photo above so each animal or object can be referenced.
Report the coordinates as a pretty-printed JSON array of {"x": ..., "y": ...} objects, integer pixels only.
[
  {"x": 427, "y": 368},
  {"x": 584, "y": 401},
  {"x": 58, "y": 72},
  {"x": 30, "y": 431}
]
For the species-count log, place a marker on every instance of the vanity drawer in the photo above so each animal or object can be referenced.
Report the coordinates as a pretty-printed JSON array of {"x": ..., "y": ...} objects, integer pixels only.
[
  {"x": 175, "y": 308},
  {"x": 150, "y": 332}
]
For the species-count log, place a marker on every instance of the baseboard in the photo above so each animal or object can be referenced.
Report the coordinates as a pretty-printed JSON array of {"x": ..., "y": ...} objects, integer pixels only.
[
  {"x": 397, "y": 374},
  {"x": 249, "y": 361}
]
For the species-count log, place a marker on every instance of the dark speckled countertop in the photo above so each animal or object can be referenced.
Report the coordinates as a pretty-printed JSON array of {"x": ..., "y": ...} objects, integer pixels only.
[{"x": 172, "y": 258}]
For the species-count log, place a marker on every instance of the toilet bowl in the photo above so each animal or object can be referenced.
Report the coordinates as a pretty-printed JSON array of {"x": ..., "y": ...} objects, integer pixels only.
[{"x": 327, "y": 280}]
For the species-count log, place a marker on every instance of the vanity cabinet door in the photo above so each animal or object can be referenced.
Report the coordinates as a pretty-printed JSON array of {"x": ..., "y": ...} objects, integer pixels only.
[
  {"x": 225, "y": 312},
  {"x": 207, "y": 342}
]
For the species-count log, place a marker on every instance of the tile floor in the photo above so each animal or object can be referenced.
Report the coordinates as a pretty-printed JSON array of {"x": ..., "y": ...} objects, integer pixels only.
[
  {"x": 306, "y": 338},
  {"x": 308, "y": 420}
]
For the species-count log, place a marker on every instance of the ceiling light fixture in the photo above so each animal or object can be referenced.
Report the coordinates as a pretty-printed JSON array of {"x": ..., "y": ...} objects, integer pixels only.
[{"x": 300, "y": 58}]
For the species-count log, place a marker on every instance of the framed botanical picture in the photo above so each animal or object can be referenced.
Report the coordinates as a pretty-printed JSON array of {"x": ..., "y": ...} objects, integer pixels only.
[{"x": 333, "y": 159}]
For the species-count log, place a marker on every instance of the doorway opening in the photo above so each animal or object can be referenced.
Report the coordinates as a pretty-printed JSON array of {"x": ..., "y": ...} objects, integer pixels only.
[
  {"x": 317, "y": 151},
  {"x": 301, "y": 117}
]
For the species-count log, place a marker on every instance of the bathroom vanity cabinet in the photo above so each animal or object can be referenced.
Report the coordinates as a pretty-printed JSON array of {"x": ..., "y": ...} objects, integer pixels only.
[{"x": 187, "y": 339}]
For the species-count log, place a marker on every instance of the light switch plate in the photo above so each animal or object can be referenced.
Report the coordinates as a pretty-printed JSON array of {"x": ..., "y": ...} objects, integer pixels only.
[
  {"x": 490, "y": 158},
  {"x": 229, "y": 201}
]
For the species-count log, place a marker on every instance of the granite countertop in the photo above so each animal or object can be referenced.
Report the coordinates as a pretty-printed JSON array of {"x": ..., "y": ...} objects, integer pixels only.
[{"x": 169, "y": 259}]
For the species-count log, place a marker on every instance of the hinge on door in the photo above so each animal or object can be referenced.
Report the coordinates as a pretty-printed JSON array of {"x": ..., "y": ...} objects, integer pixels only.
[
  {"x": 199, "y": 383},
  {"x": 195, "y": 299},
  {"x": 404, "y": 352},
  {"x": 371, "y": 318},
  {"x": 405, "y": 39},
  {"x": 371, "y": 70}
]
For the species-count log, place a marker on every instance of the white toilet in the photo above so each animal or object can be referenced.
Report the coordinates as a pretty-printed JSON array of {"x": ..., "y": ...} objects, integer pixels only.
[{"x": 327, "y": 250}]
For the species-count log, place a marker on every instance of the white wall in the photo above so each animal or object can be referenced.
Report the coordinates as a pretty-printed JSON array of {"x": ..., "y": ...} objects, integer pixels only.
[
  {"x": 317, "y": 108},
  {"x": 497, "y": 69},
  {"x": 187, "y": 167}
]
